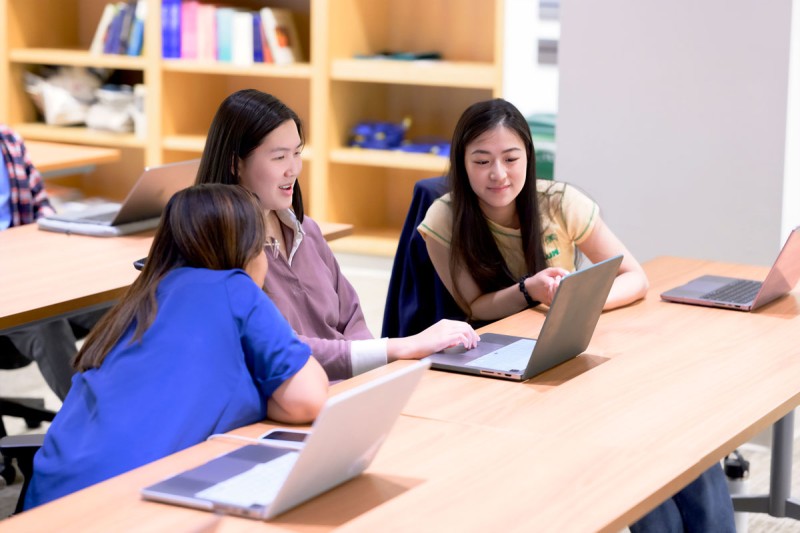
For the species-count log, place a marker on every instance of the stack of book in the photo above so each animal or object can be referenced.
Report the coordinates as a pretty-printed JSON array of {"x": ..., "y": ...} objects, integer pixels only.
[
  {"x": 205, "y": 32},
  {"x": 121, "y": 29}
]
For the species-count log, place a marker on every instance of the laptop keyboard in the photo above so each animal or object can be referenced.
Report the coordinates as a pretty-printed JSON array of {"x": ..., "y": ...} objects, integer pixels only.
[
  {"x": 511, "y": 358},
  {"x": 257, "y": 486},
  {"x": 739, "y": 292}
]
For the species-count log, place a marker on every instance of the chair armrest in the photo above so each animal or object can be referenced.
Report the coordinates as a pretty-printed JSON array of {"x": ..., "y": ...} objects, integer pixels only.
[{"x": 16, "y": 445}]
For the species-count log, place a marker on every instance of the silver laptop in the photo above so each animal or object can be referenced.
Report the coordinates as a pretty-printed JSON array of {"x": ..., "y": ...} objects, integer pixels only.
[
  {"x": 565, "y": 334},
  {"x": 140, "y": 211},
  {"x": 744, "y": 294},
  {"x": 262, "y": 481}
]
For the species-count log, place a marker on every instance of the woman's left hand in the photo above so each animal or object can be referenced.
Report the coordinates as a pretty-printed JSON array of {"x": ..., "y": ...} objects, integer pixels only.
[{"x": 542, "y": 285}]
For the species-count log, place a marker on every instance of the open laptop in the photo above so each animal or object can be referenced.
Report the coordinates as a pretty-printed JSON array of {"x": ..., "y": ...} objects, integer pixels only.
[
  {"x": 140, "y": 211},
  {"x": 262, "y": 481},
  {"x": 565, "y": 334},
  {"x": 744, "y": 294}
]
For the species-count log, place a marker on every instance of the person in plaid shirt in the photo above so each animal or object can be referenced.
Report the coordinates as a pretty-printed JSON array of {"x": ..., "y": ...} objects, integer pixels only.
[{"x": 23, "y": 200}]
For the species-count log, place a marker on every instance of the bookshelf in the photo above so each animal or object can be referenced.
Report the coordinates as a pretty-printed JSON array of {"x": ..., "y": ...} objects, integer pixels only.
[{"x": 331, "y": 92}]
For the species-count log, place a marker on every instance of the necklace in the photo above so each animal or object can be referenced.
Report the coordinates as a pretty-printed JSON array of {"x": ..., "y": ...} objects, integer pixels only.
[{"x": 275, "y": 245}]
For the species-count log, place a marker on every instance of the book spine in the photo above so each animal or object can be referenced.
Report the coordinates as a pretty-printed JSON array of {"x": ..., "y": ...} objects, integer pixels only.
[
  {"x": 136, "y": 42},
  {"x": 189, "y": 29},
  {"x": 207, "y": 32},
  {"x": 258, "y": 36},
  {"x": 170, "y": 29},
  {"x": 264, "y": 44},
  {"x": 111, "y": 44},
  {"x": 242, "y": 38},
  {"x": 224, "y": 37},
  {"x": 98, "y": 41},
  {"x": 127, "y": 26}
]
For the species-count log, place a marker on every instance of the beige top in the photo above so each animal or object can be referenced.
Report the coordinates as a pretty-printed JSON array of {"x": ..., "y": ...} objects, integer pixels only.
[{"x": 568, "y": 217}]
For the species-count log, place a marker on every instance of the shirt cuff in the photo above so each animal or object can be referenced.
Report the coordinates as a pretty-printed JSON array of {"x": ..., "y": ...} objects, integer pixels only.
[{"x": 368, "y": 354}]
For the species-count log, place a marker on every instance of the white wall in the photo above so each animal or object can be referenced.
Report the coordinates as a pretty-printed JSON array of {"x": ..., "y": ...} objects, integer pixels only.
[
  {"x": 791, "y": 183},
  {"x": 533, "y": 88},
  {"x": 672, "y": 115}
]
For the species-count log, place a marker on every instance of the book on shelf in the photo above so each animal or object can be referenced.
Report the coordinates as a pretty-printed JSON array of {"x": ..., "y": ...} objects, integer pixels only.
[
  {"x": 98, "y": 41},
  {"x": 207, "y": 32},
  {"x": 114, "y": 34},
  {"x": 225, "y": 34},
  {"x": 258, "y": 39},
  {"x": 242, "y": 38},
  {"x": 189, "y": 12},
  {"x": 281, "y": 35},
  {"x": 136, "y": 40},
  {"x": 171, "y": 29},
  {"x": 125, "y": 29}
]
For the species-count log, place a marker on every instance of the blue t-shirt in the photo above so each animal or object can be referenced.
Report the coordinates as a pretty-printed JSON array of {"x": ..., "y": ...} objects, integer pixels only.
[
  {"x": 5, "y": 196},
  {"x": 217, "y": 349}
]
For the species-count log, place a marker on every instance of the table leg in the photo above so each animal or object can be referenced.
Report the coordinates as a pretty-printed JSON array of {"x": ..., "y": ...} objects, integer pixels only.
[{"x": 778, "y": 502}]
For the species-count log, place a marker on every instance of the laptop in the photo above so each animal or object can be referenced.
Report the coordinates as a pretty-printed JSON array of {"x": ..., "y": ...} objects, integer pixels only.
[
  {"x": 744, "y": 294},
  {"x": 262, "y": 480},
  {"x": 140, "y": 211},
  {"x": 566, "y": 332}
]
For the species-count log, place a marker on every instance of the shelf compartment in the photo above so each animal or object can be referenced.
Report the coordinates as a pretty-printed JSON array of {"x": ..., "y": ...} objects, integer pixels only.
[
  {"x": 459, "y": 30},
  {"x": 390, "y": 159},
  {"x": 433, "y": 111},
  {"x": 188, "y": 112},
  {"x": 375, "y": 200},
  {"x": 78, "y": 58},
  {"x": 462, "y": 74},
  {"x": 79, "y": 135}
]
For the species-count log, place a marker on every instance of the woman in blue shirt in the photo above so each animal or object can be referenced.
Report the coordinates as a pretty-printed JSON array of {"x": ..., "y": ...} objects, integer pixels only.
[{"x": 194, "y": 348}]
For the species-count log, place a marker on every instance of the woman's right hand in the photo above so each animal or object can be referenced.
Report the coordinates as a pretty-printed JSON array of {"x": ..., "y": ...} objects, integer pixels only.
[
  {"x": 444, "y": 334},
  {"x": 542, "y": 285}
]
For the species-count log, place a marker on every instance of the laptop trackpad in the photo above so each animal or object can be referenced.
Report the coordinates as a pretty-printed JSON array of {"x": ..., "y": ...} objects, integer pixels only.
[{"x": 511, "y": 358}]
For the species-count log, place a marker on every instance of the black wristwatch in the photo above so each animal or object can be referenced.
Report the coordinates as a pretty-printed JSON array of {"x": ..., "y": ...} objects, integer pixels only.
[{"x": 524, "y": 291}]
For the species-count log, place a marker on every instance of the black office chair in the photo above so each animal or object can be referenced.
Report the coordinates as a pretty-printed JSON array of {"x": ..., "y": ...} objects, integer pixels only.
[
  {"x": 417, "y": 298},
  {"x": 32, "y": 410}
]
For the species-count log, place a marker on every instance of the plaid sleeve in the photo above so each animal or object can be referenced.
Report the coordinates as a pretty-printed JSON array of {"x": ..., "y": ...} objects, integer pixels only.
[{"x": 29, "y": 200}]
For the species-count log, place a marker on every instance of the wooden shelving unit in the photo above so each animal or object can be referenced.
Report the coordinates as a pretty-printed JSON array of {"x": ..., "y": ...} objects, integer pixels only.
[
  {"x": 331, "y": 92},
  {"x": 372, "y": 188}
]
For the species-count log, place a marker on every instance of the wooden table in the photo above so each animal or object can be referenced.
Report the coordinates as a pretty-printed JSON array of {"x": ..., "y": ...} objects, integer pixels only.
[
  {"x": 56, "y": 159},
  {"x": 664, "y": 391},
  {"x": 686, "y": 383},
  {"x": 45, "y": 274}
]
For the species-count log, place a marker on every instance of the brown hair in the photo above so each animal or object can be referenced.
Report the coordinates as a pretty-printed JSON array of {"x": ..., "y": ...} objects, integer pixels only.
[{"x": 211, "y": 226}]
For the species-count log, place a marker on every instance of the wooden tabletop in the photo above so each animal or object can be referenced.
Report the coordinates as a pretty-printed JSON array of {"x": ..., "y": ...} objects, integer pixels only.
[
  {"x": 49, "y": 157},
  {"x": 664, "y": 391},
  {"x": 45, "y": 274},
  {"x": 334, "y": 230}
]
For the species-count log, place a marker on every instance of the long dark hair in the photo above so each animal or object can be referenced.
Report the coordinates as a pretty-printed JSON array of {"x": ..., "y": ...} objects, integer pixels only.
[
  {"x": 473, "y": 247},
  {"x": 212, "y": 226},
  {"x": 242, "y": 121}
]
